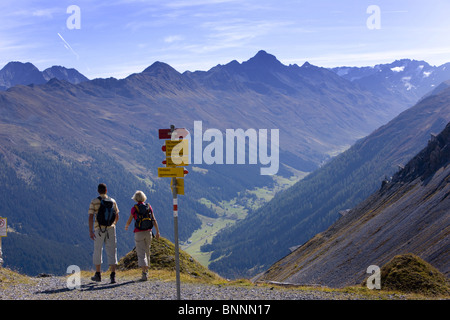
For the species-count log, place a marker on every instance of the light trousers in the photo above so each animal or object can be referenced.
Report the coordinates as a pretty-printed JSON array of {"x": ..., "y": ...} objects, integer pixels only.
[
  {"x": 143, "y": 240},
  {"x": 107, "y": 238}
]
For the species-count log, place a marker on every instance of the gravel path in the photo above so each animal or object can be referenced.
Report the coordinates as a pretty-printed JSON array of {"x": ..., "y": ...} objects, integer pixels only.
[{"x": 55, "y": 288}]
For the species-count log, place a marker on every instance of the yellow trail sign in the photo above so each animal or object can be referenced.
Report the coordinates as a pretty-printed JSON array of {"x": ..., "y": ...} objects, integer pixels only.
[
  {"x": 180, "y": 186},
  {"x": 171, "y": 172},
  {"x": 176, "y": 161},
  {"x": 177, "y": 148},
  {"x": 180, "y": 190},
  {"x": 180, "y": 183}
]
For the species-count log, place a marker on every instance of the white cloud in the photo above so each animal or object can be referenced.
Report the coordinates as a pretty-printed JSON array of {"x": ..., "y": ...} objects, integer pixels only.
[
  {"x": 171, "y": 39},
  {"x": 235, "y": 33},
  {"x": 46, "y": 13}
]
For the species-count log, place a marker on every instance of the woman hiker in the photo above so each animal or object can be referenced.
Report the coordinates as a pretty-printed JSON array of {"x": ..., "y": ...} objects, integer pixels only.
[{"x": 145, "y": 220}]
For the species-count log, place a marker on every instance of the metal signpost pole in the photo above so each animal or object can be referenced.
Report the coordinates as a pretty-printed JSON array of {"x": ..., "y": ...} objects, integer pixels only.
[
  {"x": 1, "y": 259},
  {"x": 175, "y": 227},
  {"x": 174, "y": 169},
  {"x": 3, "y": 233}
]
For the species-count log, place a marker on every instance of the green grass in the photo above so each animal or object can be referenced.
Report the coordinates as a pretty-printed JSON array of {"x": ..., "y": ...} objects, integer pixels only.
[
  {"x": 9, "y": 277},
  {"x": 163, "y": 258},
  {"x": 409, "y": 273},
  {"x": 209, "y": 228}
]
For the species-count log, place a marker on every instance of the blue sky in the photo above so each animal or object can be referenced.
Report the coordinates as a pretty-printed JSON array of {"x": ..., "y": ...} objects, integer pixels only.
[{"x": 116, "y": 38}]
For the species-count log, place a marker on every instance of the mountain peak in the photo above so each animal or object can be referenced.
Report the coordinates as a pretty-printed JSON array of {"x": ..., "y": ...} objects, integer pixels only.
[
  {"x": 16, "y": 72},
  {"x": 21, "y": 65},
  {"x": 159, "y": 68},
  {"x": 25, "y": 73},
  {"x": 161, "y": 77},
  {"x": 263, "y": 53},
  {"x": 71, "y": 75},
  {"x": 263, "y": 59}
]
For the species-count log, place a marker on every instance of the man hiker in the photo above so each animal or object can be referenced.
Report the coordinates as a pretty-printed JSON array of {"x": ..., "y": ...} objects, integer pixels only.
[{"x": 103, "y": 216}]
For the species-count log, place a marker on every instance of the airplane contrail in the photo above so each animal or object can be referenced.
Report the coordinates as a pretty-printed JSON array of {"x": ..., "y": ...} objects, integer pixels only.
[{"x": 67, "y": 45}]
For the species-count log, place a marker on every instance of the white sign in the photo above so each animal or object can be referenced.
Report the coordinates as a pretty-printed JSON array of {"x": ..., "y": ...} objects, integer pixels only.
[{"x": 2, "y": 227}]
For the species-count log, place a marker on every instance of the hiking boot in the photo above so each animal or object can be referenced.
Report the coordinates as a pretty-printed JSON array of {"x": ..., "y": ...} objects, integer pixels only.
[
  {"x": 144, "y": 276},
  {"x": 97, "y": 277},
  {"x": 112, "y": 277}
]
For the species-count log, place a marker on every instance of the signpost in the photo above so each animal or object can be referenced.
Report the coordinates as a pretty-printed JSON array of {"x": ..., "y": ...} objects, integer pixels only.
[
  {"x": 3, "y": 233},
  {"x": 176, "y": 161},
  {"x": 173, "y": 133},
  {"x": 171, "y": 172},
  {"x": 179, "y": 186},
  {"x": 176, "y": 150}
]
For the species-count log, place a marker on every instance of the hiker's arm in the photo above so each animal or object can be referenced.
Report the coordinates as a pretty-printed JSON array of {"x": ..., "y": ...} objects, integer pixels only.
[
  {"x": 117, "y": 213},
  {"x": 128, "y": 221},
  {"x": 91, "y": 227},
  {"x": 91, "y": 220},
  {"x": 155, "y": 223}
]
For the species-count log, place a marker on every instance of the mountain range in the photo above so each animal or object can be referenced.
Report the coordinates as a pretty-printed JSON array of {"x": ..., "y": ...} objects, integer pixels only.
[
  {"x": 15, "y": 73},
  {"x": 258, "y": 93},
  {"x": 60, "y": 138},
  {"x": 409, "y": 214},
  {"x": 406, "y": 78}
]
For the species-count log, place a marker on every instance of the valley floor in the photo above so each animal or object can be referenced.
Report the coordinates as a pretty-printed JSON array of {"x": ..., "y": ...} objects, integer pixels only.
[{"x": 229, "y": 212}]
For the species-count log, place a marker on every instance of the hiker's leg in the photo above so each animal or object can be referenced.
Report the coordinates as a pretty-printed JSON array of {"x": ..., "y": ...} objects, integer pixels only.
[
  {"x": 147, "y": 239},
  {"x": 98, "y": 248},
  {"x": 144, "y": 248},
  {"x": 111, "y": 251},
  {"x": 111, "y": 247},
  {"x": 139, "y": 239},
  {"x": 97, "y": 256},
  {"x": 148, "y": 243}
]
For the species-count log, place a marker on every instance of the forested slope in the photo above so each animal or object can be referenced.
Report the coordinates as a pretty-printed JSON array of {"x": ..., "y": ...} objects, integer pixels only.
[{"x": 313, "y": 204}]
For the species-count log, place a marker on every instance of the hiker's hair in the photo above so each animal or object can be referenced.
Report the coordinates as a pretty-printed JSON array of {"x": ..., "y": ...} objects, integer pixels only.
[
  {"x": 101, "y": 188},
  {"x": 139, "y": 196}
]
